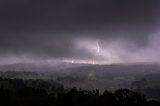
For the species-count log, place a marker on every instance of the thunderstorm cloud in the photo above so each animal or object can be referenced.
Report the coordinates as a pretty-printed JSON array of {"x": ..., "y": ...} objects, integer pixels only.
[{"x": 67, "y": 30}]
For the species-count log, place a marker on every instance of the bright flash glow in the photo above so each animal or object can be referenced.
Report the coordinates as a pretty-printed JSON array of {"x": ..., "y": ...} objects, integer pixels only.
[
  {"x": 80, "y": 61},
  {"x": 72, "y": 61},
  {"x": 93, "y": 62}
]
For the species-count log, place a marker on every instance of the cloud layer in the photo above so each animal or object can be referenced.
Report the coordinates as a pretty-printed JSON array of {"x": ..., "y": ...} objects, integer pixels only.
[{"x": 69, "y": 29}]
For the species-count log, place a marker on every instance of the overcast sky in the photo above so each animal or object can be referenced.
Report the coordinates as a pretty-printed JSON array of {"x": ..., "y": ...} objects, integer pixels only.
[{"x": 100, "y": 30}]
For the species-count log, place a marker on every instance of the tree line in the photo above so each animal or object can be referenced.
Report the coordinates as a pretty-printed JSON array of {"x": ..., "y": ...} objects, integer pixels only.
[{"x": 20, "y": 92}]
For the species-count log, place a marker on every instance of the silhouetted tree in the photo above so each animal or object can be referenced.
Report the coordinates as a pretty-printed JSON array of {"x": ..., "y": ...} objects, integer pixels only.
[
  {"x": 129, "y": 98},
  {"x": 20, "y": 93}
]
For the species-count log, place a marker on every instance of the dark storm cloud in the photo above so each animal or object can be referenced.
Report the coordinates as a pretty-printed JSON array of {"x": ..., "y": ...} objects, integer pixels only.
[
  {"x": 47, "y": 28},
  {"x": 76, "y": 14}
]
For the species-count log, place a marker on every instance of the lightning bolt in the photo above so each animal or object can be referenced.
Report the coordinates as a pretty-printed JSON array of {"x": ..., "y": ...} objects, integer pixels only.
[
  {"x": 97, "y": 50},
  {"x": 98, "y": 47}
]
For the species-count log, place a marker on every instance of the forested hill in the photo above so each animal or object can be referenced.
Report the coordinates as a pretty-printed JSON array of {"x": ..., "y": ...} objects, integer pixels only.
[{"x": 20, "y": 92}]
